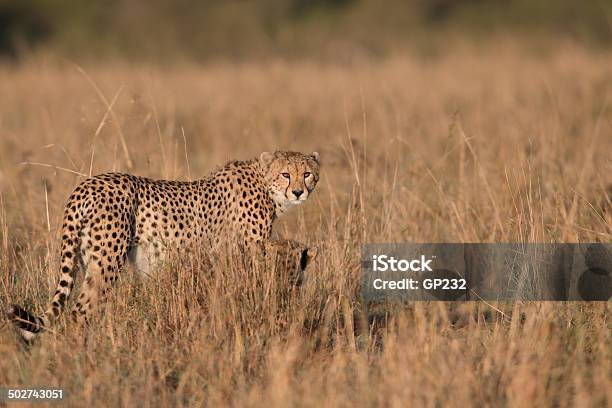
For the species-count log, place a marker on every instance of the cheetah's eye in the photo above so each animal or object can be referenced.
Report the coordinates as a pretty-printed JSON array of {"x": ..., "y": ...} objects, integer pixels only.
[
  {"x": 307, "y": 174},
  {"x": 286, "y": 175}
]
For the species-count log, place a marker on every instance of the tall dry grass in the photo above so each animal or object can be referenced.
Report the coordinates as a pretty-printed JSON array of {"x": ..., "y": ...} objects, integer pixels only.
[{"x": 493, "y": 146}]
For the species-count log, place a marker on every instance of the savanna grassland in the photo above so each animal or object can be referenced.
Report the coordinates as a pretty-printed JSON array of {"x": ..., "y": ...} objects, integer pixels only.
[{"x": 472, "y": 146}]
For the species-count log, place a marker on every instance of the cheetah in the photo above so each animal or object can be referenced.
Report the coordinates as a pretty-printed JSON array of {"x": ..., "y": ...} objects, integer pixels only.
[
  {"x": 291, "y": 258},
  {"x": 115, "y": 218}
]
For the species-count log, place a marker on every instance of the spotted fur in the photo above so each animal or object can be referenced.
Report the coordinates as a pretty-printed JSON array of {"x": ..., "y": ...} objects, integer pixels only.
[
  {"x": 291, "y": 258},
  {"x": 112, "y": 218}
]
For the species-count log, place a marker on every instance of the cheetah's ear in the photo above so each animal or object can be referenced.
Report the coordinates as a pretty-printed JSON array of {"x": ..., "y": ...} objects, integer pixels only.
[
  {"x": 315, "y": 155},
  {"x": 308, "y": 256},
  {"x": 266, "y": 158},
  {"x": 312, "y": 254}
]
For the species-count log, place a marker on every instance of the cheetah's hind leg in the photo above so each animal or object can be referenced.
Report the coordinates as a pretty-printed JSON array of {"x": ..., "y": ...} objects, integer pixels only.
[{"x": 102, "y": 262}]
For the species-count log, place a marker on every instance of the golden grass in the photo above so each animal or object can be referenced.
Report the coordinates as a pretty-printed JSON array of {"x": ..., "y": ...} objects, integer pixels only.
[{"x": 489, "y": 146}]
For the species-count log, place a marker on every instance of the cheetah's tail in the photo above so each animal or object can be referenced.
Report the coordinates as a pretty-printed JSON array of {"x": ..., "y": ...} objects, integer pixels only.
[
  {"x": 26, "y": 323},
  {"x": 29, "y": 325}
]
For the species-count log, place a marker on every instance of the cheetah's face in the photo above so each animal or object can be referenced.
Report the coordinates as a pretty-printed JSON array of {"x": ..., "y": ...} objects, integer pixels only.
[{"x": 290, "y": 176}]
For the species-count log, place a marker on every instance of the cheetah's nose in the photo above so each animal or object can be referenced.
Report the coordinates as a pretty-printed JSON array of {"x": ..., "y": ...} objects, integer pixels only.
[{"x": 297, "y": 193}]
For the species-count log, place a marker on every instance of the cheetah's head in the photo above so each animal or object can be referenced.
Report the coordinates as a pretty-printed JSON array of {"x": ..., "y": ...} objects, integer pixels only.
[
  {"x": 291, "y": 177},
  {"x": 291, "y": 258}
]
